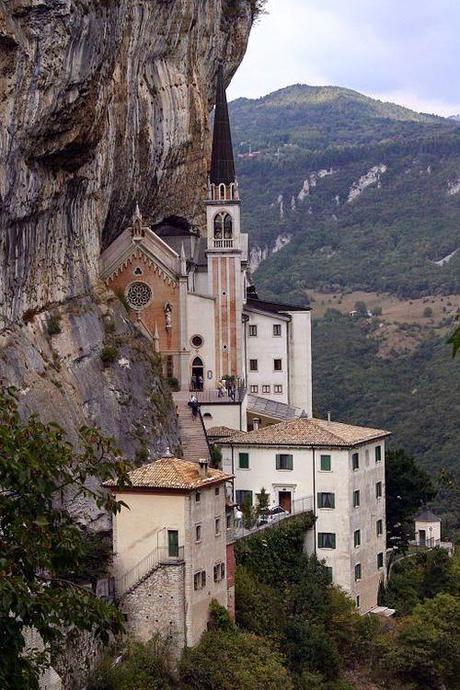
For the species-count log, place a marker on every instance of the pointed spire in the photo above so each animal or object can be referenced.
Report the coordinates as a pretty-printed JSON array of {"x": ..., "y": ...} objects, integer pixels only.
[
  {"x": 183, "y": 261},
  {"x": 156, "y": 339},
  {"x": 222, "y": 162}
]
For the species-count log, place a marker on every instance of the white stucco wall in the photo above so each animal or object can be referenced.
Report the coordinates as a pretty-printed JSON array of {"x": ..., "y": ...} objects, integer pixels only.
[
  {"x": 300, "y": 362},
  {"x": 265, "y": 347},
  {"x": 432, "y": 531},
  {"x": 232, "y": 416},
  {"x": 200, "y": 321}
]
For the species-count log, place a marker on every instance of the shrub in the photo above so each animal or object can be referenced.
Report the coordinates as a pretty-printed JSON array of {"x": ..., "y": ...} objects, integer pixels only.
[
  {"x": 216, "y": 457},
  {"x": 53, "y": 325},
  {"x": 109, "y": 354},
  {"x": 428, "y": 312},
  {"x": 377, "y": 310},
  {"x": 173, "y": 383}
]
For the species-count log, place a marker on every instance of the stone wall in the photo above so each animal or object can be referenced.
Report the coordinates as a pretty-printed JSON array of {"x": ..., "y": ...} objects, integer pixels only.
[{"x": 157, "y": 606}]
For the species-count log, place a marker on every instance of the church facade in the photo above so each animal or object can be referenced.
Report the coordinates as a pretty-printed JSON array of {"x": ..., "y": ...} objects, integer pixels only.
[{"x": 188, "y": 290}]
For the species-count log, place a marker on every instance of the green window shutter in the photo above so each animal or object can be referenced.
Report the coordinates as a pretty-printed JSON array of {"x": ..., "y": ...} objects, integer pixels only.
[
  {"x": 325, "y": 463},
  {"x": 173, "y": 543},
  {"x": 243, "y": 462}
]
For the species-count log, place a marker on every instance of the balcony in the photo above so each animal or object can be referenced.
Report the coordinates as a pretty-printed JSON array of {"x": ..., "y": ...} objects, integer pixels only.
[{"x": 222, "y": 244}]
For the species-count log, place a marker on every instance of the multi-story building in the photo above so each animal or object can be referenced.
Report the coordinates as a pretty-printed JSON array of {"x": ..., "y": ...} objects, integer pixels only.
[
  {"x": 170, "y": 549},
  {"x": 336, "y": 469}
]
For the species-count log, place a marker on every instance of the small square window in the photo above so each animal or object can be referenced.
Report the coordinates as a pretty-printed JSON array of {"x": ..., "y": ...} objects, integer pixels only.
[
  {"x": 278, "y": 389},
  {"x": 380, "y": 560},
  {"x": 355, "y": 461},
  {"x": 199, "y": 580},
  {"x": 284, "y": 462},
  {"x": 197, "y": 532},
  {"x": 357, "y": 538},
  {"x": 254, "y": 389},
  {"x": 253, "y": 365},
  {"x": 197, "y": 496},
  {"x": 252, "y": 331},
  {"x": 217, "y": 526},
  {"x": 243, "y": 497},
  {"x": 326, "y": 500},
  {"x": 379, "y": 525},
  {"x": 265, "y": 389},
  {"x": 325, "y": 463},
  {"x": 326, "y": 540},
  {"x": 378, "y": 453},
  {"x": 277, "y": 329},
  {"x": 278, "y": 364},
  {"x": 356, "y": 498},
  {"x": 358, "y": 571},
  {"x": 378, "y": 490},
  {"x": 243, "y": 461}
]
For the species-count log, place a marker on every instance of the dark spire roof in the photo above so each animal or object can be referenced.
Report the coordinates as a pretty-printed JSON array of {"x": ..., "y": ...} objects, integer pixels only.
[{"x": 222, "y": 163}]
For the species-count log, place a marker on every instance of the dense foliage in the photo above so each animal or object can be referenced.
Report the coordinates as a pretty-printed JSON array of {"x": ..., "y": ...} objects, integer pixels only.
[
  {"x": 42, "y": 551},
  {"x": 390, "y": 235},
  {"x": 414, "y": 395}
]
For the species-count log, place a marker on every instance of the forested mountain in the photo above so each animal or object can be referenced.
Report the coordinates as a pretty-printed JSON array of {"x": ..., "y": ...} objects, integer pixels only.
[
  {"x": 342, "y": 193},
  {"x": 359, "y": 194}
]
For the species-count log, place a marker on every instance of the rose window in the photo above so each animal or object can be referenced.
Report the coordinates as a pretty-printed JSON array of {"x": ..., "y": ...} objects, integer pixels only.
[{"x": 138, "y": 295}]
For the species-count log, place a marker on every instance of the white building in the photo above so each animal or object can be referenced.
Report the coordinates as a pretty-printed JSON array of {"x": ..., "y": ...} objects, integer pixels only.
[{"x": 341, "y": 468}]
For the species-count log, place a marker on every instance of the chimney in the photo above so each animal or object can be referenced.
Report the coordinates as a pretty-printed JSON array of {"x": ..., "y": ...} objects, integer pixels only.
[
  {"x": 329, "y": 416},
  {"x": 167, "y": 453},
  {"x": 255, "y": 424},
  {"x": 203, "y": 464}
]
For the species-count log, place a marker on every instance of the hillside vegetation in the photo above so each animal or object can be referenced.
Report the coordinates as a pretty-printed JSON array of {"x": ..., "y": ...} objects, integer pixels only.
[{"x": 360, "y": 194}]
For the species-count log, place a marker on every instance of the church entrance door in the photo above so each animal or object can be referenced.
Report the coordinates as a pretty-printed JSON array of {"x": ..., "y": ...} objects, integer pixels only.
[{"x": 197, "y": 374}]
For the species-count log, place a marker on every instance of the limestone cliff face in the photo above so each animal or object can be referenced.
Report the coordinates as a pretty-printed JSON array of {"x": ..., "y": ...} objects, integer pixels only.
[{"x": 103, "y": 102}]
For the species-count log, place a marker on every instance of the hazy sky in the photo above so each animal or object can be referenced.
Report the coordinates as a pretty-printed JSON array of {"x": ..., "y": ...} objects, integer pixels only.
[{"x": 406, "y": 51}]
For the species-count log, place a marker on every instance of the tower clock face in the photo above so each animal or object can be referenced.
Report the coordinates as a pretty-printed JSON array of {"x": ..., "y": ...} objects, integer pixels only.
[{"x": 138, "y": 295}]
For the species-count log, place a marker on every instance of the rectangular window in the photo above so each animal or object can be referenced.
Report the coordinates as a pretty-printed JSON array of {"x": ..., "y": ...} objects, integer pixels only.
[
  {"x": 197, "y": 532},
  {"x": 169, "y": 367},
  {"x": 379, "y": 525},
  {"x": 356, "y": 498},
  {"x": 326, "y": 540},
  {"x": 254, "y": 389},
  {"x": 355, "y": 461},
  {"x": 278, "y": 389},
  {"x": 197, "y": 496},
  {"x": 284, "y": 462},
  {"x": 217, "y": 526},
  {"x": 173, "y": 543},
  {"x": 253, "y": 365},
  {"x": 325, "y": 463},
  {"x": 378, "y": 453},
  {"x": 277, "y": 329},
  {"x": 380, "y": 560},
  {"x": 357, "y": 602},
  {"x": 199, "y": 580},
  {"x": 219, "y": 572},
  {"x": 378, "y": 490},
  {"x": 357, "y": 572},
  {"x": 265, "y": 389},
  {"x": 252, "y": 331},
  {"x": 243, "y": 497},
  {"x": 357, "y": 538},
  {"x": 278, "y": 365},
  {"x": 229, "y": 520},
  {"x": 329, "y": 573},
  {"x": 243, "y": 461},
  {"x": 217, "y": 491},
  {"x": 326, "y": 500}
]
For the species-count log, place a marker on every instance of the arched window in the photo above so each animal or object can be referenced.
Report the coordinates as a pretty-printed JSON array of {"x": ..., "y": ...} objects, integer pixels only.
[
  {"x": 223, "y": 226},
  {"x": 222, "y": 192}
]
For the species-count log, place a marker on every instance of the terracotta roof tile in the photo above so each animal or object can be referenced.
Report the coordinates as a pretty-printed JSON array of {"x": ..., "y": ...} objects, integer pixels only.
[
  {"x": 172, "y": 473},
  {"x": 221, "y": 431},
  {"x": 308, "y": 432}
]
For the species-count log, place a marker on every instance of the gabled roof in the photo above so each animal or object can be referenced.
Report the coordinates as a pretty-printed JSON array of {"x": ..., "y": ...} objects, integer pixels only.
[
  {"x": 170, "y": 473},
  {"x": 222, "y": 162},
  {"x": 221, "y": 432},
  {"x": 308, "y": 432},
  {"x": 427, "y": 516}
]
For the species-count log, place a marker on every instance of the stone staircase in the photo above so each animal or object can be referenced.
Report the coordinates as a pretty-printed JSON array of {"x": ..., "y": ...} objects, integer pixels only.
[{"x": 191, "y": 430}]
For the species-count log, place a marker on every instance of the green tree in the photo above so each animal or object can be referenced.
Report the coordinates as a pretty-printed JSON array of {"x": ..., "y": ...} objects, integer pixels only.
[
  {"x": 361, "y": 308},
  {"x": 427, "y": 649},
  {"x": 263, "y": 501},
  {"x": 229, "y": 660},
  {"x": 454, "y": 338},
  {"x": 41, "y": 548},
  {"x": 407, "y": 488}
]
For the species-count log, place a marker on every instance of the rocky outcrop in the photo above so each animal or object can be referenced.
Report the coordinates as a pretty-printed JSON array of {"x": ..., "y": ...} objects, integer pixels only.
[{"x": 102, "y": 103}]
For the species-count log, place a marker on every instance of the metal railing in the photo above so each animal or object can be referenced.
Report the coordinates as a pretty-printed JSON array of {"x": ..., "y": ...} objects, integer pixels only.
[
  {"x": 222, "y": 244},
  {"x": 235, "y": 394},
  {"x": 298, "y": 506},
  {"x": 159, "y": 556}
]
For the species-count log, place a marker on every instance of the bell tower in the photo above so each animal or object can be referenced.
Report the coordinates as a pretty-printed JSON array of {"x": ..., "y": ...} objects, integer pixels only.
[{"x": 225, "y": 271}]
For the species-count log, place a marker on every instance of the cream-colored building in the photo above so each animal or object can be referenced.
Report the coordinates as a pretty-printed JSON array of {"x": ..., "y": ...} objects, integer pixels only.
[
  {"x": 427, "y": 529},
  {"x": 170, "y": 548},
  {"x": 338, "y": 470}
]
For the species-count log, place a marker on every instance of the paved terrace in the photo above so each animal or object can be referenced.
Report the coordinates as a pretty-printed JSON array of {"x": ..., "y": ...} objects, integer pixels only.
[{"x": 298, "y": 507}]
